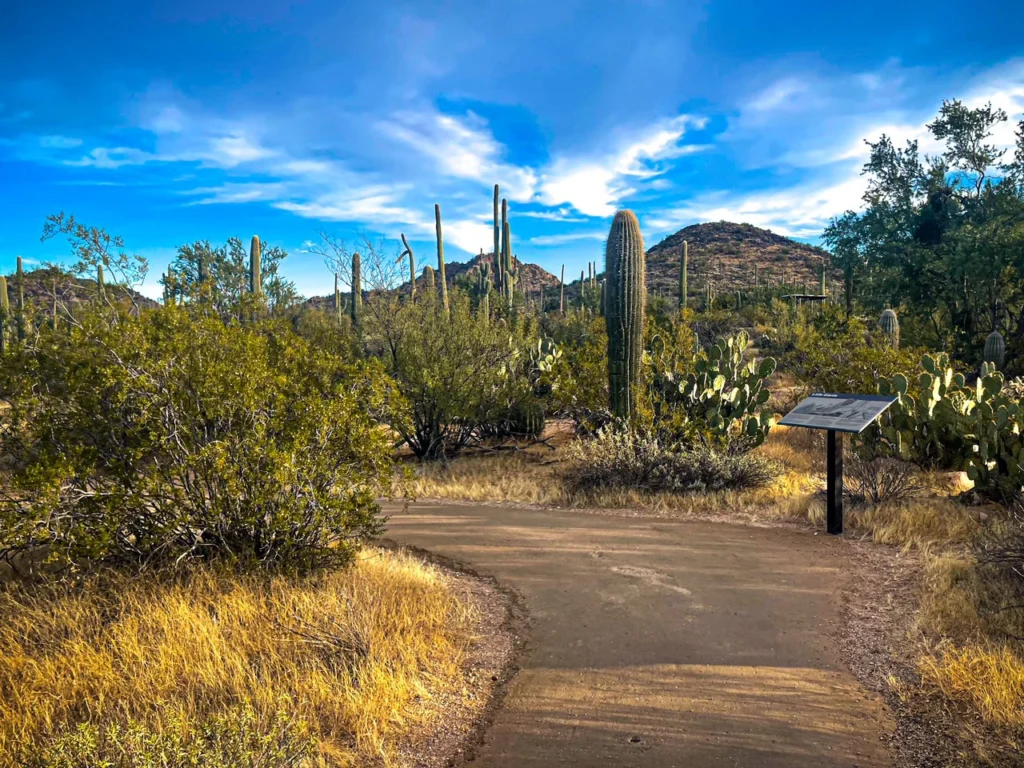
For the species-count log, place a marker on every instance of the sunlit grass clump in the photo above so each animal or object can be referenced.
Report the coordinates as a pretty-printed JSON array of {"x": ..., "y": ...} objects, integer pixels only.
[{"x": 329, "y": 670}]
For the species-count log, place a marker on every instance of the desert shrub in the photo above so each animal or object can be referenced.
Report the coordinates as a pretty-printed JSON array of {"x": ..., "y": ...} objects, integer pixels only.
[
  {"x": 829, "y": 356},
  {"x": 628, "y": 459},
  {"x": 174, "y": 436},
  {"x": 880, "y": 480},
  {"x": 582, "y": 394},
  {"x": 1001, "y": 548},
  {"x": 457, "y": 372}
]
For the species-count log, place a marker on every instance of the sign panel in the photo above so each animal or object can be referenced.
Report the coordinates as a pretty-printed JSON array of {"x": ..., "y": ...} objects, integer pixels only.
[{"x": 842, "y": 413}]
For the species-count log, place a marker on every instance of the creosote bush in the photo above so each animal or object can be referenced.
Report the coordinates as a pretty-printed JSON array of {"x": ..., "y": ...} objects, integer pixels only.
[
  {"x": 619, "y": 458},
  {"x": 880, "y": 480},
  {"x": 174, "y": 436}
]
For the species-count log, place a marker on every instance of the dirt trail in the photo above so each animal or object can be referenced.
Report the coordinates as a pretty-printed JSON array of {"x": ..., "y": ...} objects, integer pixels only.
[{"x": 657, "y": 643}]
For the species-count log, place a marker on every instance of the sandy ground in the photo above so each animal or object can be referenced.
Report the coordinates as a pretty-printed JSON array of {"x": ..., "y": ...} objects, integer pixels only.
[{"x": 664, "y": 643}]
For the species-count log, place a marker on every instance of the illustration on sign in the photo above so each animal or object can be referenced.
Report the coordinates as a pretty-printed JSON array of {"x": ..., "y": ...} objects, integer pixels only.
[{"x": 842, "y": 413}]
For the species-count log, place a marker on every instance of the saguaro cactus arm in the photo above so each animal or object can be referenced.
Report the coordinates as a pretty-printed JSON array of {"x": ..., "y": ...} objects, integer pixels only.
[{"x": 440, "y": 257}]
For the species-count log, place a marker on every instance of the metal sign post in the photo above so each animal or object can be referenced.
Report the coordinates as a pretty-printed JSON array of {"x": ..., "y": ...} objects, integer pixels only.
[
  {"x": 836, "y": 414},
  {"x": 834, "y": 482}
]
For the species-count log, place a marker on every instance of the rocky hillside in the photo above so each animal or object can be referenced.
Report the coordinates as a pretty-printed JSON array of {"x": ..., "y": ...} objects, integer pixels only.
[
  {"x": 40, "y": 285},
  {"x": 727, "y": 253},
  {"x": 535, "y": 277}
]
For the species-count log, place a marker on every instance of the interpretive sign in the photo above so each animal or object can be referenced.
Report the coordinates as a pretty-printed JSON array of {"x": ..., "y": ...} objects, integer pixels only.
[
  {"x": 836, "y": 413},
  {"x": 843, "y": 413}
]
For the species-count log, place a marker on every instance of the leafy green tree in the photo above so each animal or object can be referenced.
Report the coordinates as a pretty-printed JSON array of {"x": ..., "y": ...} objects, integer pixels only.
[
  {"x": 228, "y": 269},
  {"x": 941, "y": 238}
]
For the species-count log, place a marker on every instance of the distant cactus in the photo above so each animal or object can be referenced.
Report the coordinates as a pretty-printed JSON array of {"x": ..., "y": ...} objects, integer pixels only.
[
  {"x": 891, "y": 325},
  {"x": 561, "y": 296},
  {"x": 337, "y": 297},
  {"x": 5, "y": 314},
  {"x": 440, "y": 257},
  {"x": 604, "y": 293},
  {"x": 21, "y": 301},
  {"x": 428, "y": 272},
  {"x": 99, "y": 281},
  {"x": 684, "y": 268},
  {"x": 995, "y": 349},
  {"x": 357, "y": 288},
  {"x": 255, "y": 278},
  {"x": 823, "y": 290},
  {"x": 412, "y": 266},
  {"x": 499, "y": 274},
  {"x": 625, "y": 270}
]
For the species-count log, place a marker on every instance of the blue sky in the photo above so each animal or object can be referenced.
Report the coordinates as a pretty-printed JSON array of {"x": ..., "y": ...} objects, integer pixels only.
[{"x": 192, "y": 120}]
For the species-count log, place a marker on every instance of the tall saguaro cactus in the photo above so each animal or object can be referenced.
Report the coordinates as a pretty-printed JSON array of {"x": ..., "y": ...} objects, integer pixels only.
[
  {"x": 255, "y": 257},
  {"x": 561, "y": 296},
  {"x": 5, "y": 314},
  {"x": 684, "y": 269},
  {"x": 625, "y": 270},
  {"x": 440, "y": 257},
  {"x": 412, "y": 266},
  {"x": 100, "y": 282},
  {"x": 357, "y": 288},
  {"x": 21, "y": 301},
  {"x": 499, "y": 275}
]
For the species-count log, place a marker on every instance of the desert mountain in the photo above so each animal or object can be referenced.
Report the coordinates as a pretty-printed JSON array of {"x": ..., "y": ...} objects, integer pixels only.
[
  {"x": 40, "y": 286},
  {"x": 727, "y": 253}
]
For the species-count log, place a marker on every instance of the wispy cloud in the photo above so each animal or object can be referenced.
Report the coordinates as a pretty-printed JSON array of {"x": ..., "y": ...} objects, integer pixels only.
[{"x": 569, "y": 237}]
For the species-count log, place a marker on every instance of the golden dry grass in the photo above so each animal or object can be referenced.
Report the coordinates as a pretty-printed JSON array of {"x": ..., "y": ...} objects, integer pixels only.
[
  {"x": 358, "y": 655},
  {"x": 532, "y": 477},
  {"x": 988, "y": 678}
]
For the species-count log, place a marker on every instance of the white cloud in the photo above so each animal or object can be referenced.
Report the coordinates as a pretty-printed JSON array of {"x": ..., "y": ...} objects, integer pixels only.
[
  {"x": 463, "y": 149},
  {"x": 595, "y": 186},
  {"x": 800, "y": 211},
  {"x": 112, "y": 157},
  {"x": 569, "y": 237},
  {"x": 59, "y": 142}
]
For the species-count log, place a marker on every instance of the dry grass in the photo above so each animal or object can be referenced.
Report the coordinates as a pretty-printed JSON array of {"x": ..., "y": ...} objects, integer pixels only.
[
  {"x": 989, "y": 679},
  {"x": 356, "y": 656}
]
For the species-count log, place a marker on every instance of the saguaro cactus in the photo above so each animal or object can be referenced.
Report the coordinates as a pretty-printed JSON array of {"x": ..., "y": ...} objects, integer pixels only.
[
  {"x": 823, "y": 287},
  {"x": 499, "y": 274},
  {"x": 995, "y": 349},
  {"x": 357, "y": 288},
  {"x": 5, "y": 314},
  {"x": 337, "y": 297},
  {"x": 561, "y": 294},
  {"x": 428, "y": 272},
  {"x": 412, "y": 266},
  {"x": 440, "y": 257},
  {"x": 625, "y": 271},
  {"x": 684, "y": 268},
  {"x": 21, "y": 301},
  {"x": 101, "y": 285},
  {"x": 255, "y": 278},
  {"x": 891, "y": 325}
]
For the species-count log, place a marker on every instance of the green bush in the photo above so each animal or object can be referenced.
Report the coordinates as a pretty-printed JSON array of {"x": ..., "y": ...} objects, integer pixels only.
[
  {"x": 174, "y": 436},
  {"x": 828, "y": 355},
  {"x": 457, "y": 372},
  {"x": 626, "y": 459},
  {"x": 581, "y": 370}
]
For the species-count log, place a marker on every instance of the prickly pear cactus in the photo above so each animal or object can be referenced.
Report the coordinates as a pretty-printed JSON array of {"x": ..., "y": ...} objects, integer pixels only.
[
  {"x": 625, "y": 267},
  {"x": 954, "y": 425}
]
